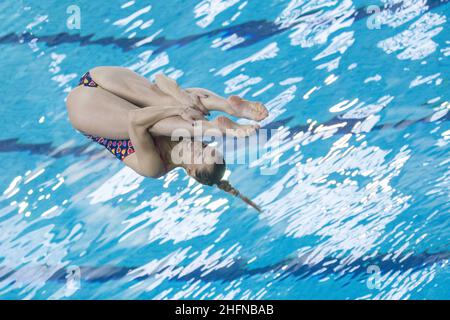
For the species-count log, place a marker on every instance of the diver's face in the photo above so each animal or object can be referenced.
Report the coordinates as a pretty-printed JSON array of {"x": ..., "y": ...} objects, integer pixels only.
[{"x": 197, "y": 156}]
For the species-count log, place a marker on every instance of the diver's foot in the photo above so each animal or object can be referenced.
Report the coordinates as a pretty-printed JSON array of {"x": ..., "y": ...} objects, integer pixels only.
[
  {"x": 247, "y": 109},
  {"x": 234, "y": 129}
]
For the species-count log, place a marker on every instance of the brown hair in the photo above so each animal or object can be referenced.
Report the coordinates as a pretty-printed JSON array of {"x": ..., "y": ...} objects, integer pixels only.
[{"x": 214, "y": 177}]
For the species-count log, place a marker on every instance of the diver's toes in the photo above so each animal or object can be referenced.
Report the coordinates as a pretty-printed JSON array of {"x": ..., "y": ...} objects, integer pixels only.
[
  {"x": 261, "y": 111},
  {"x": 251, "y": 130}
]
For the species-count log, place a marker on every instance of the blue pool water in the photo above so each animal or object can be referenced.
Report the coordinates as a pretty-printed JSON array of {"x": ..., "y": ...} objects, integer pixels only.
[{"x": 356, "y": 208}]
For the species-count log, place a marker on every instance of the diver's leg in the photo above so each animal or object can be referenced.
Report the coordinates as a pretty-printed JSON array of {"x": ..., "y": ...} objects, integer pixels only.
[
  {"x": 136, "y": 89},
  {"x": 234, "y": 105},
  {"x": 176, "y": 126},
  {"x": 98, "y": 112},
  {"x": 130, "y": 86}
]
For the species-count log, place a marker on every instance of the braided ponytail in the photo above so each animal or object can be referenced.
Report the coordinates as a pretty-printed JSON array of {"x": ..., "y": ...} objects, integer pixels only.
[
  {"x": 227, "y": 187},
  {"x": 214, "y": 177}
]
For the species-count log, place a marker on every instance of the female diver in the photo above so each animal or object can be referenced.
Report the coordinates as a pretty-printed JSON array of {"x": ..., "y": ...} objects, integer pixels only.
[{"x": 135, "y": 119}]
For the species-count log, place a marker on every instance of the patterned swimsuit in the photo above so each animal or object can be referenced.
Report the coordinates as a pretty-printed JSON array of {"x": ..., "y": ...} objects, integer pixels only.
[{"x": 118, "y": 147}]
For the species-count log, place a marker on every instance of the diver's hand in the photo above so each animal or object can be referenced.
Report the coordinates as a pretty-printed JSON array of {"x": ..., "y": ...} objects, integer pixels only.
[
  {"x": 196, "y": 103},
  {"x": 191, "y": 115}
]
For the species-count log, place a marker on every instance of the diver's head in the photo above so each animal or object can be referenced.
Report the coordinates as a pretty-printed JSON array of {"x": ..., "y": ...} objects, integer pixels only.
[
  {"x": 207, "y": 166},
  {"x": 201, "y": 161}
]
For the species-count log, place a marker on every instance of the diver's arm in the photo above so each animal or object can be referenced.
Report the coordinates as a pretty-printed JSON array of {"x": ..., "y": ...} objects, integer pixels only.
[
  {"x": 147, "y": 117},
  {"x": 148, "y": 161}
]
